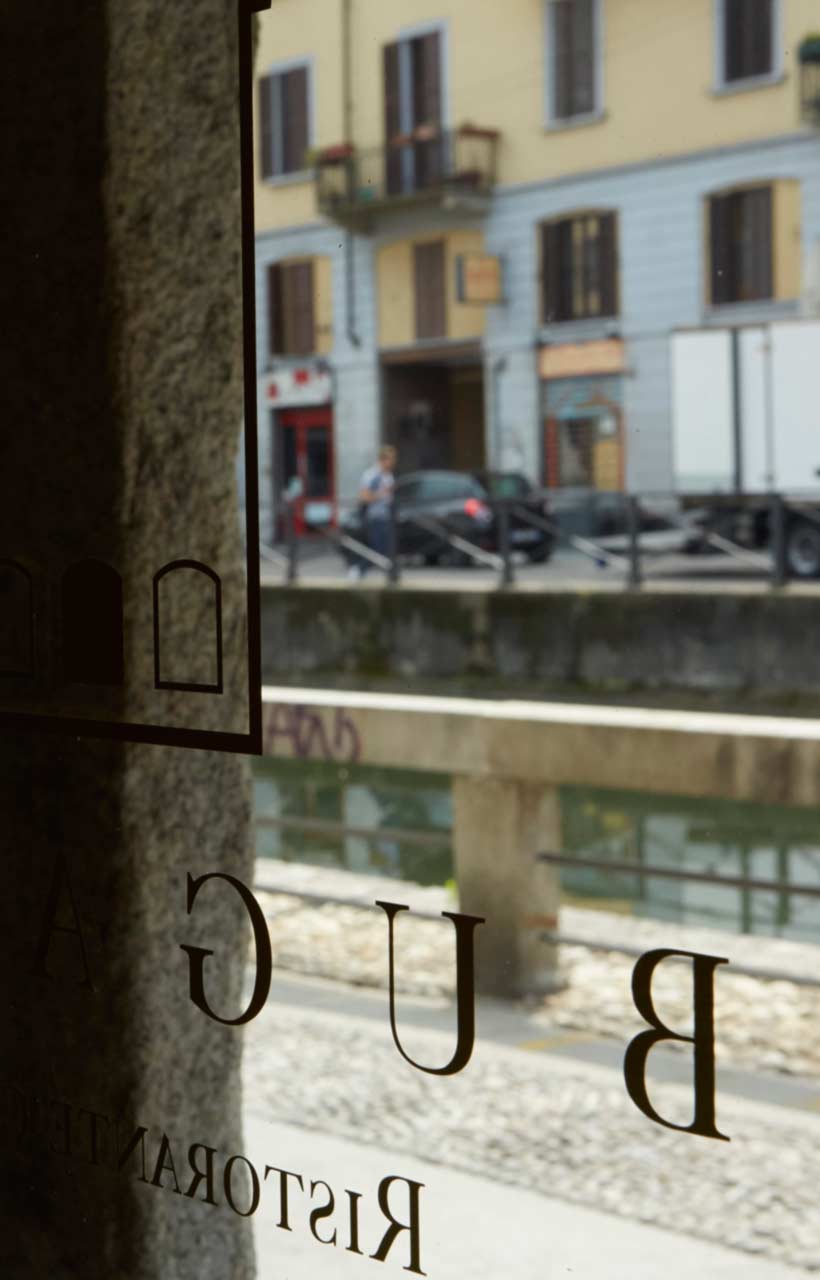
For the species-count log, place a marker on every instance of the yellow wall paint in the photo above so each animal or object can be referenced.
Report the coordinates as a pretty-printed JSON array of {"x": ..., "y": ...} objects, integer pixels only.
[
  {"x": 788, "y": 265},
  {"x": 463, "y": 320},
  {"x": 658, "y": 82},
  {"x": 396, "y": 290},
  {"x": 323, "y": 304},
  {"x": 394, "y": 268}
]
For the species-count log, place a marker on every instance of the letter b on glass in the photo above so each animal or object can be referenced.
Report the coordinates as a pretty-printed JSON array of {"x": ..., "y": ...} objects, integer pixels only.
[{"x": 702, "y": 1040}]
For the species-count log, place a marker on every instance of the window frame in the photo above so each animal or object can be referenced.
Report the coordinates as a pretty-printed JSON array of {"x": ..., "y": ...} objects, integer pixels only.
[
  {"x": 603, "y": 317},
  {"x": 552, "y": 121},
  {"x": 280, "y": 68},
  {"x": 776, "y": 75}
]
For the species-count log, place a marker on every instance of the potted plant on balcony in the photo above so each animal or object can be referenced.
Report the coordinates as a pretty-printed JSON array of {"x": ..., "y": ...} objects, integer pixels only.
[
  {"x": 809, "y": 50},
  {"x": 337, "y": 154},
  {"x": 809, "y": 57}
]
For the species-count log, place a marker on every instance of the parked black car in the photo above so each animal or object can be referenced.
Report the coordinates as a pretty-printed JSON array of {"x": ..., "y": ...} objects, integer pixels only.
[{"x": 463, "y": 502}]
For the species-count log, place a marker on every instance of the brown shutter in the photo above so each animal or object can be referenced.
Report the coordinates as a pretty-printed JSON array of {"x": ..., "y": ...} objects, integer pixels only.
[
  {"x": 392, "y": 117},
  {"x": 747, "y": 37},
  {"x": 266, "y": 126},
  {"x": 583, "y": 57},
  {"x": 430, "y": 297},
  {"x": 275, "y": 310},
  {"x": 720, "y": 237},
  {"x": 295, "y": 119},
  {"x": 758, "y": 238},
  {"x": 562, "y": 58},
  {"x": 550, "y": 269},
  {"x": 608, "y": 264},
  {"x": 427, "y": 80}
]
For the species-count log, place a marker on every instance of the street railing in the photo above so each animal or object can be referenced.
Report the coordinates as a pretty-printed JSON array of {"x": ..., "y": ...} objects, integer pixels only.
[{"x": 631, "y": 555}]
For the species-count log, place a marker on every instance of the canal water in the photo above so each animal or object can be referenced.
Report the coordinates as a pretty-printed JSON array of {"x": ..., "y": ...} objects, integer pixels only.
[{"x": 397, "y": 823}]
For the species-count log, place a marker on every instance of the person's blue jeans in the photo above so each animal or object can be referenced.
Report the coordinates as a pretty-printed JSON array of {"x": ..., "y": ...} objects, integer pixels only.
[{"x": 377, "y": 529}]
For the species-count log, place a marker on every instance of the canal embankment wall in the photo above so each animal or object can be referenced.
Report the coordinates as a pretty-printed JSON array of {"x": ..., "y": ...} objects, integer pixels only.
[{"x": 724, "y": 644}]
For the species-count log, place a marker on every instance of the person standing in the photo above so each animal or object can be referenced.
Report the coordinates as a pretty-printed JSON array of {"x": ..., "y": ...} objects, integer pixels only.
[{"x": 376, "y": 494}]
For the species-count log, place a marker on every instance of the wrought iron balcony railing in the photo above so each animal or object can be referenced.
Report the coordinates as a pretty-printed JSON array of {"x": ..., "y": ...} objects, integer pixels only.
[
  {"x": 809, "y": 57},
  {"x": 429, "y": 165}
]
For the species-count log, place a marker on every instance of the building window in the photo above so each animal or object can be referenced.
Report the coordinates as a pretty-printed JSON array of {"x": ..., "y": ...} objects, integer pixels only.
[
  {"x": 573, "y": 53},
  {"x": 284, "y": 115},
  {"x": 291, "y": 318},
  {"x": 414, "y": 141},
  {"x": 748, "y": 38},
  {"x": 429, "y": 284},
  {"x": 579, "y": 257},
  {"x": 740, "y": 230}
]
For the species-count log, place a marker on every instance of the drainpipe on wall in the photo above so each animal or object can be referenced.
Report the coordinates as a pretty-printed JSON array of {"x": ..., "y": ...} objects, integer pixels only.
[
  {"x": 497, "y": 367},
  {"x": 347, "y": 118}
]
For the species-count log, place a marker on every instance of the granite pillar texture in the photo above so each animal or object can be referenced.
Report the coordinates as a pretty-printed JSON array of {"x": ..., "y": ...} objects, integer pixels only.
[{"x": 121, "y": 393}]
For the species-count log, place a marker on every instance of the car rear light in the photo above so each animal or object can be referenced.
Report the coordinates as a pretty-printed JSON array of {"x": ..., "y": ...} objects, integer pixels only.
[{"x": 477, "y": 510}]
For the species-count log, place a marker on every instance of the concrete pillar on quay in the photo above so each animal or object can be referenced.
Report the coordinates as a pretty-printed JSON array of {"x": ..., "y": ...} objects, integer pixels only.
[{"x": 499, "y": 826}]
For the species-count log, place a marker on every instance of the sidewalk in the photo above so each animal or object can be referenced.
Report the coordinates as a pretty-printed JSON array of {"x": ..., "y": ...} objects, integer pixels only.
[{"x": 472, "y": 1228}]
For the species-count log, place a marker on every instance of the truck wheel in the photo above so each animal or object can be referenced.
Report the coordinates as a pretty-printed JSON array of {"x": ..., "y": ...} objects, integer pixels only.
[{"x": 803, "y": 549}]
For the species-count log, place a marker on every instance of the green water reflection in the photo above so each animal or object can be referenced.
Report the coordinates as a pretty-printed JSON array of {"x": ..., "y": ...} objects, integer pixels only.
[{"x": 397, "y": 823}]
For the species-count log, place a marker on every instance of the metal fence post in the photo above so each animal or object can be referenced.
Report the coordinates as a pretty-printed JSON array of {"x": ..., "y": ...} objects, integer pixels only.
[
  {"x": 293, "y": 550},
  {"x": 633, "y": 519},
  {"x": 777, "y": 518},
  {"x": 503, "y": 514},
  {"x": 393, "y": 573}
]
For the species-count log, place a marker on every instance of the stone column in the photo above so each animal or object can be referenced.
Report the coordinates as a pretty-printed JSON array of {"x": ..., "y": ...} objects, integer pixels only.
[
  {"x": 499, "y": 826},
  {"x": 121, "y": 391}
]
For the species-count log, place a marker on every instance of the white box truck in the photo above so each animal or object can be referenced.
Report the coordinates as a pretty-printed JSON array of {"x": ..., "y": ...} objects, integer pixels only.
[{"x": 745, "y": 426}]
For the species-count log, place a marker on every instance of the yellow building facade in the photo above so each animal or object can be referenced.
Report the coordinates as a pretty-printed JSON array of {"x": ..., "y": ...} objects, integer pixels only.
[{"x": 625, "y": 167}]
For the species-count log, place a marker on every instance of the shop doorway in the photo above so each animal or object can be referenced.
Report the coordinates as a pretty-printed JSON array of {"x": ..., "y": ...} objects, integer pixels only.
[
  {"x": 435, "y": 414},
  {"x": 306, "y": 467}
]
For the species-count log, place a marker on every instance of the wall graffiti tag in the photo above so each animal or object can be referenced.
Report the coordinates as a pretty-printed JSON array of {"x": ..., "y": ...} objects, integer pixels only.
[{"x": 310, "y": 736}]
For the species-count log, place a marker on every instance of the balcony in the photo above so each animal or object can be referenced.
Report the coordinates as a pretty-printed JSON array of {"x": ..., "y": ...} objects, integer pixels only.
[
  {"x": 809, "y": 55},
  {"x": 444, "y": 168}
]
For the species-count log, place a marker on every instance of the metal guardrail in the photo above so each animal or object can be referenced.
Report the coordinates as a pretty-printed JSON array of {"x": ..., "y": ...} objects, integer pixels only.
[
  {"x": 673, "y": 873},
  {"x": 777, "y": 510}
]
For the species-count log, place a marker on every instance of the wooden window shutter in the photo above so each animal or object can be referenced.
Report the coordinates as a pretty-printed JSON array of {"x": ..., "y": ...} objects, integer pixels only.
[
  {"x": 758, "y": 273},
  {"x": 608, "y": 264},
  {"x": 562, "y": 58},
  {"x": 427, "y": 77},
  {"x": 720, "y": 238},
  {"x": 429, "y": 288},
  {"x": 748, "y": 38},
  {"x": 392, "y": 112},
  {"x": 392, "y": 117},
  {"x": 583, "y": 57},
  {"x": 295, "y": 119},
  {"x": 275, "y": 310},
  {"x": 550, "y": 272},
  {"x": 266, "y": 126}
]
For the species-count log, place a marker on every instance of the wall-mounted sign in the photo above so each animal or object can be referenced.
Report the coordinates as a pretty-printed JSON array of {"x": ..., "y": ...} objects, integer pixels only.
[
  {"x": 479, "y": 279},
  {"x": 582, "y": 359},
  {"x": 303, "y": 384}
]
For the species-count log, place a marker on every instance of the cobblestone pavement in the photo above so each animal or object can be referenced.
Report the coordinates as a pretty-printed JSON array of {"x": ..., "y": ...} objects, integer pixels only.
[
  {"x": 562, "y": 1129},
  {"x": 558, "y": 1127},
  {"x": 771, "y": 1025}
]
